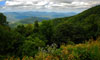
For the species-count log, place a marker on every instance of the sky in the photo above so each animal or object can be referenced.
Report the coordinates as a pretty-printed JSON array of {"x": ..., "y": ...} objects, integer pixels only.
[
  {"x": 47, "y": 5},
  {"x": 2, "y": 3}
]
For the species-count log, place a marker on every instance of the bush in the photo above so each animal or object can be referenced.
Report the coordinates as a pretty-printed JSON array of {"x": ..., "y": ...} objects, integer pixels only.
[{"x": 90, "y": 51}]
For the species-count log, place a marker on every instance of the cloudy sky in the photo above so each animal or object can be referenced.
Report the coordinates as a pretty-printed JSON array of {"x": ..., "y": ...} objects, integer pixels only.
[{"x": 47, "y": 5}]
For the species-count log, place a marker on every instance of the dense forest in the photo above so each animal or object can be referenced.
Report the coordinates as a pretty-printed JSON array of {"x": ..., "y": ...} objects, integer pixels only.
[{"x": 69, "y": 38}]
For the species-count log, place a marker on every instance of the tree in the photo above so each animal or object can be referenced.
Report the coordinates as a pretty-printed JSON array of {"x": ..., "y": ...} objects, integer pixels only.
[
  {"x": 21, "y": 29},
  {"x": 36, "y": 27},
  {"x": 30, "y": 46},
  {"x": 92, "y": 24},
  {"x": 3, "y": 19},
  {"x": 28, "y": 30},
  {"x": 46, "y": 29},
  {"x": 10, "y": 42},
  {"x": 66, "y": 32}
]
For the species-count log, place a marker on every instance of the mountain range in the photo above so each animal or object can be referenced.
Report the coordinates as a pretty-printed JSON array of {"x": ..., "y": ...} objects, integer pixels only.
[{"x": 15, "y": 16}]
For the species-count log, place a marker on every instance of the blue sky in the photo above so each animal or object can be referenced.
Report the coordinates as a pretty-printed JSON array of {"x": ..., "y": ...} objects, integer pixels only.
[
  {"x": 2, "y": 3},
  {"x": 47, "y": 5}
]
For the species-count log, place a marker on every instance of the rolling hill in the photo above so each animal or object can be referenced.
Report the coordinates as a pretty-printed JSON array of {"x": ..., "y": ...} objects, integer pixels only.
[
  {"x": 82, "y": 18},
  {"x": 32, "y": 19},
  {"x": 86, "y": 23}
]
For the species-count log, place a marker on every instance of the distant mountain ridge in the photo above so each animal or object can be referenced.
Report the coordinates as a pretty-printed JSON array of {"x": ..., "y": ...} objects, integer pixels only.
[{"x": 13, "y": 16}]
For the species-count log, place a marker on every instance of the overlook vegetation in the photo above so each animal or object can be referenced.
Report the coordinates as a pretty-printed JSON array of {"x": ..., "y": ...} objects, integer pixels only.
[{"x": 69, "y": 38}]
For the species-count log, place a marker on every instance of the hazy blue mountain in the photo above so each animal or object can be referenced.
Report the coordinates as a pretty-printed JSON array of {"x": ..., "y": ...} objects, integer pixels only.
[{"x": 13, "y": 16}]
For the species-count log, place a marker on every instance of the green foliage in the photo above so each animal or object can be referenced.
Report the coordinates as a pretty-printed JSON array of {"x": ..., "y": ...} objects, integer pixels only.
[
  {"x": 20, "y": 29},
  {"x": 59, "y": 20},
  {"x": 91, "y": 25},
  {"x": 78, "y": 28},
  {"x": 36, "y": 27},
  {"x": 30, "y": 47},
  {"x": 28, "y": 30},
  {"x": 3, "y": 19},
  {"x": 10, "y": 42},
  {"x": 68, "y": 32},
  {"x": 88, "y": 51},
  {"x": 25, "y": 30},
  {"x": 46, "y": 29},
  {"x": 25, "y": 40}
]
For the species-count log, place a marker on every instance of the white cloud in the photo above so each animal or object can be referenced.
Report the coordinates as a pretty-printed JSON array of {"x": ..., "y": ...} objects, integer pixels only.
[{"x": 49, "y": 5}]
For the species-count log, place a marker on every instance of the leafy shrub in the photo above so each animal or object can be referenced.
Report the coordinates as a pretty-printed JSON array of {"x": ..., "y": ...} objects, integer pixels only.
[{"x": 87, "y": 51}]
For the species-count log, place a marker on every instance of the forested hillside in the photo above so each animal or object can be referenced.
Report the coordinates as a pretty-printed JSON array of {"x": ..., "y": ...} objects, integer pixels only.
[
  {"x": 69, "y": 38},
  {"x": 29, "y": 20}
]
